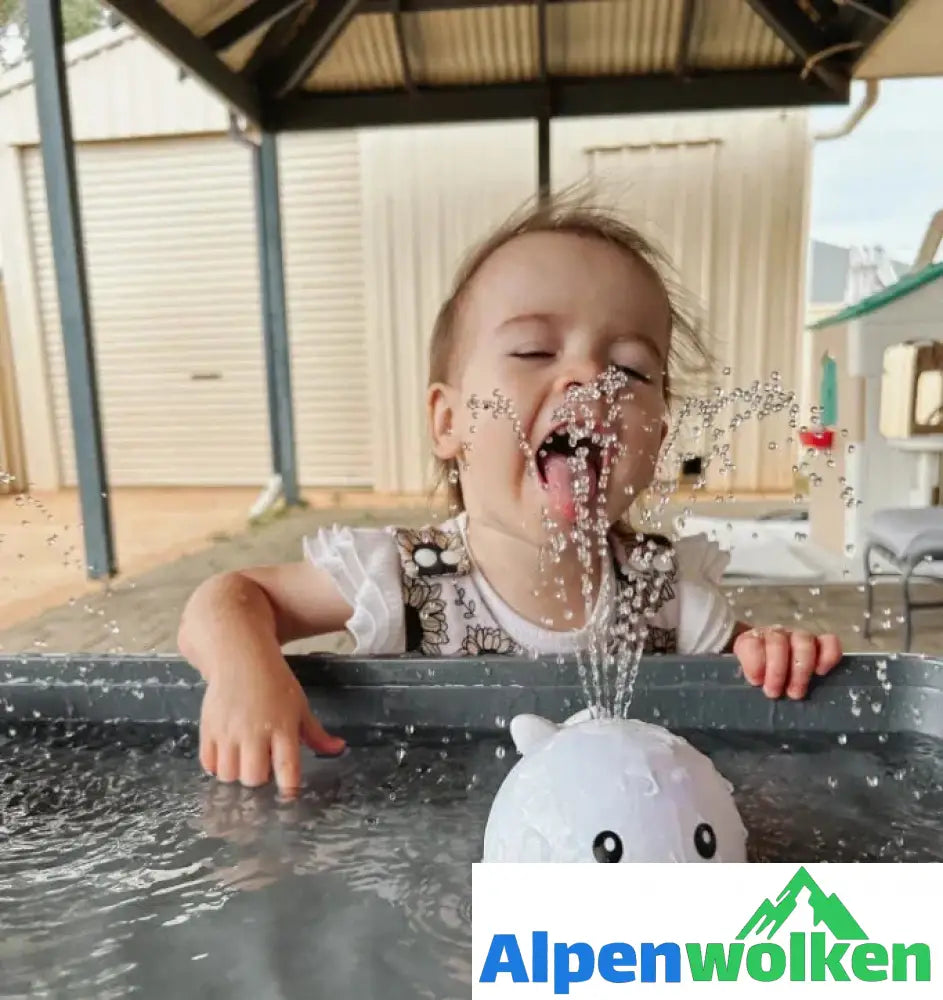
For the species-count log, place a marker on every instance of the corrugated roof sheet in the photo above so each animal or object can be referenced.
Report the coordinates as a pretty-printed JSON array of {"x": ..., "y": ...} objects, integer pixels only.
[
  {"x": 499, "y": 44},
  {"x": 599, "y": 37},
  {"x": 365, "y": 57},
  {"x": 201, "y": 16},
  {"x": 484, "y": 45},
  {"x": 728, "y": 34}
]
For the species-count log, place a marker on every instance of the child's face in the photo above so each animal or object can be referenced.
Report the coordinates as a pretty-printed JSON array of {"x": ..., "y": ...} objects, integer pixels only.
[{"x": 548, "y": 313}]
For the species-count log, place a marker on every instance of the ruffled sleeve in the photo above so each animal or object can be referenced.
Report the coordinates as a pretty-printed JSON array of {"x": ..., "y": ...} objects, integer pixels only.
[
  {"x": 365, "y": 566},
  {"x": 705, "y": 617}
]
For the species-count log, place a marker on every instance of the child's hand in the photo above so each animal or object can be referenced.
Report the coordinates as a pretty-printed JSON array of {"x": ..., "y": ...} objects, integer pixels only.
[
  {"x": 253, "y": 724},
  {"x": 784, "y": 661},
  {"x": 255, "y": 714}
]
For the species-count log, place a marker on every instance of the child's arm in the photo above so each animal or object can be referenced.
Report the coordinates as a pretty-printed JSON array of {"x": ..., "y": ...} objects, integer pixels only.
[
  {"x": 254, "y": 711},
  {"x": 782, "y": 660}
]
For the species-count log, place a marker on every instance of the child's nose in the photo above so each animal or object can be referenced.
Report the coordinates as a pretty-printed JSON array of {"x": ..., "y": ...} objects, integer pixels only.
[{"x": 577, "y": 374}]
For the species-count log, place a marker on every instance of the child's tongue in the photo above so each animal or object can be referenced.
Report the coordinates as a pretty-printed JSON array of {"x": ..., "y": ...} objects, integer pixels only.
[{"x": 561, "y": 485}]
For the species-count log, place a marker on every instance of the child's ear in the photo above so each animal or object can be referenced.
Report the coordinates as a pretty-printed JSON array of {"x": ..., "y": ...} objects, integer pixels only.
[{"x": 440, "y": 403}]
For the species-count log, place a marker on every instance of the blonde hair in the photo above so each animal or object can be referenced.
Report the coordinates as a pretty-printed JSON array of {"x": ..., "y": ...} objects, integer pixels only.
[{"x": 687, "y": 350}]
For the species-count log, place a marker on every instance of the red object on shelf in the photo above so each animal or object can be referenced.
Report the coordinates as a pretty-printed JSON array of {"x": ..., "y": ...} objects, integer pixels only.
[{"x": 817, "y": 439}]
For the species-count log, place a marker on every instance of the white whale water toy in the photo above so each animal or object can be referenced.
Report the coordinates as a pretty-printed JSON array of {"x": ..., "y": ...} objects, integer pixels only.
[{"x": 611, "y": 790}]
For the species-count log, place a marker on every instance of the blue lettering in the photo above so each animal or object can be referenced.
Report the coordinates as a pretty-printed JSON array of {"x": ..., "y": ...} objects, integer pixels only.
[
  {"x": 611, "y": 955},
  {"x": 502, "y": 944},
  {"x": 563, "y": 975},
  {"x": 540, "y": 956},
  {"x": 670, "y": 952}
]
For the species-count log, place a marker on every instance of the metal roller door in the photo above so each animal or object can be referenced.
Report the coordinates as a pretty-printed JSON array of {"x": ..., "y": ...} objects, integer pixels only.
[{"x": 173, "y": 273}]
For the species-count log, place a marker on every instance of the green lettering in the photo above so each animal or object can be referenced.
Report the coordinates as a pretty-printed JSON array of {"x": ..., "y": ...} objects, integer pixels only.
[
  {"x": 827, "y": 961},
  {"x": 756, "y": 967},
  {"x": 797, "y": 957},
  {"x": 864, "y": 957},
  {"x": 716, "y": 962},
  {"x": 920, "y": 953}
]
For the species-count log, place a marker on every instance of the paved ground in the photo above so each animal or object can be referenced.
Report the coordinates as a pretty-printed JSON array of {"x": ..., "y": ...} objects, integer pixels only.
[
  {"x": 41, "y": 547},
  {"x": 141, "y": 615}
]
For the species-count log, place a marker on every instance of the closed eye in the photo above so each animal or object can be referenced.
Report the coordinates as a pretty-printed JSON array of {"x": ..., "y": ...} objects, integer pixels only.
[
  {"x": 532, "y": 354},
  {"x": 634, "y": 373}
]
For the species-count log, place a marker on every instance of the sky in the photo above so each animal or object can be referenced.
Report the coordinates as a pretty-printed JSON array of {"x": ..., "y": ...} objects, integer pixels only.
[{"x": 881, "y": 184}]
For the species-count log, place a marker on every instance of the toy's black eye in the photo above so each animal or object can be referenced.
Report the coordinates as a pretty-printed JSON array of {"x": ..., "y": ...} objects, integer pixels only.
[
  {"x": 705, "y": 841},
  {"x": 607, "y": 847}
]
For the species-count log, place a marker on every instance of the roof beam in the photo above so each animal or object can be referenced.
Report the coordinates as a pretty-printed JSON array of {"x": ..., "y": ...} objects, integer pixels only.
[
  {"x": 153, "y": 21},
  {"x": 683, "y": 58},
  {"x": 570, "y": 97},
  {"x": 319, "y": 32},
  {"x": 403, "y": 49},
  {"x": 273, "y": 42},
  {"x": 250, "y": 19},
  {"x": 786, "y": 19}
]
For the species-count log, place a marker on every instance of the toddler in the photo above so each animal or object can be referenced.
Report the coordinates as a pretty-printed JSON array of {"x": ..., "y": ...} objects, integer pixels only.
[{"x": 548, "y": 398}]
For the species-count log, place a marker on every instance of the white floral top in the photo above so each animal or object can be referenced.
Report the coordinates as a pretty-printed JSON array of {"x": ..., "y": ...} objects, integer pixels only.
[{"x": 417, "y": 591}]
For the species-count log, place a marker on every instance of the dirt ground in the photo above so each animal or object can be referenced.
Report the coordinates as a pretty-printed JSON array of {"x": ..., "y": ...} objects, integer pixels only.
[{"x": 168, "y": 541}]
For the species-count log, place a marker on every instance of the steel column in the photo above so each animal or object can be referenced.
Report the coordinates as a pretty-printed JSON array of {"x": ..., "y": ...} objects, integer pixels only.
[
  {"x": 546, "y": 112},
  {"x": 275, "y": 316},
  {"x": 543, "y": 157},
  {"x": 55, "y": 126}
]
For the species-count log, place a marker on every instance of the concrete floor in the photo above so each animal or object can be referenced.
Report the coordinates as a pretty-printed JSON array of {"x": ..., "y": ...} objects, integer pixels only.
[
  {"x": 140, "y": 612},
  {"x": 41, "y": 544}
]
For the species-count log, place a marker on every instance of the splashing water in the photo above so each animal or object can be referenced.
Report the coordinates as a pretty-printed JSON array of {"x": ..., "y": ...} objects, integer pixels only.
[{"x": 575, "y": 466}]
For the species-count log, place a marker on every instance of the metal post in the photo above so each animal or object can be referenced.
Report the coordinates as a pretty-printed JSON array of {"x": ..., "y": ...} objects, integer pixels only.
[
  {"x": 275, "y": 317},
  {"x": 546, "y": 112},
  {"x": 543, "y": 157},
  {"x": 55, "y": 126}
]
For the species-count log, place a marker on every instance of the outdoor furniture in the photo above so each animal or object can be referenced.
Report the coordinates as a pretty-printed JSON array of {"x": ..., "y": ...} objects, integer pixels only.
[{"x": 907, "y": 537}]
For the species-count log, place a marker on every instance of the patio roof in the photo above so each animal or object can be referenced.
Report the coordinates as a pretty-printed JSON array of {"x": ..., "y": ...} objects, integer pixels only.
[{"x": 309, "y": 64}]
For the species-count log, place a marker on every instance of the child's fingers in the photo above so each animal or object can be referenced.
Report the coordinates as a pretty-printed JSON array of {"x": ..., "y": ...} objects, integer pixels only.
[
  {"x": 286, "y": 761},
  {"x": 227, "y": 761},
  {"x": 255, "y": 758},
  {"x": 830, "y": 652},
  {"x": 804, "y": 657},
  {"x": 208, "y": 755},
  {"x": 751, "y": 653},
  {"x": 320, "y": 741},
  {"x": 777, "y": 663}
]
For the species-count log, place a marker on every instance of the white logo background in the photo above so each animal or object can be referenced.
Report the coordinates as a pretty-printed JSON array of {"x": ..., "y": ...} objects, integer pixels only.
[{"x": 635, "y": 903}]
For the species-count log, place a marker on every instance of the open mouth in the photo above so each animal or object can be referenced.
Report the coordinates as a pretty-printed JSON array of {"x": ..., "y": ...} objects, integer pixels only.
[{"x": 559, "y": 447}]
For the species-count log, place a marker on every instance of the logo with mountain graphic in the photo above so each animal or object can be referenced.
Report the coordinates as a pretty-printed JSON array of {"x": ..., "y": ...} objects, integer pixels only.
[
  {"x": 837, "y": 948},
  {"x": 803, "y": 934},
  {"x": 827, "y": 910}
]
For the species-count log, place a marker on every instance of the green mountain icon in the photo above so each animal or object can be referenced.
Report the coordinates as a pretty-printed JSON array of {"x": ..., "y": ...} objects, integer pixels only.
[{"x": 828, "y": 910}]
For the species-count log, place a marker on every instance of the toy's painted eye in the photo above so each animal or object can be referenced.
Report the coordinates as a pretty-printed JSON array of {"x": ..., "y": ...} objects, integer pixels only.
[
  {"x": 607, "y": 847},
  {"x": 705, "y": 840}
]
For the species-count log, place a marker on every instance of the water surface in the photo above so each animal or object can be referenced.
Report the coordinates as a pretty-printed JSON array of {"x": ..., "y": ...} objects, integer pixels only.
[{"x": 124, "y": 870}]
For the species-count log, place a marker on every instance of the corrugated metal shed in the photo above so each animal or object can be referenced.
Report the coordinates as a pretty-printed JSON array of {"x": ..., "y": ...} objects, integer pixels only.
[
  {"x": 725, "y": 195},
  {"x": 152, "y": 100},
  {"x": 298, "y": 64}
]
